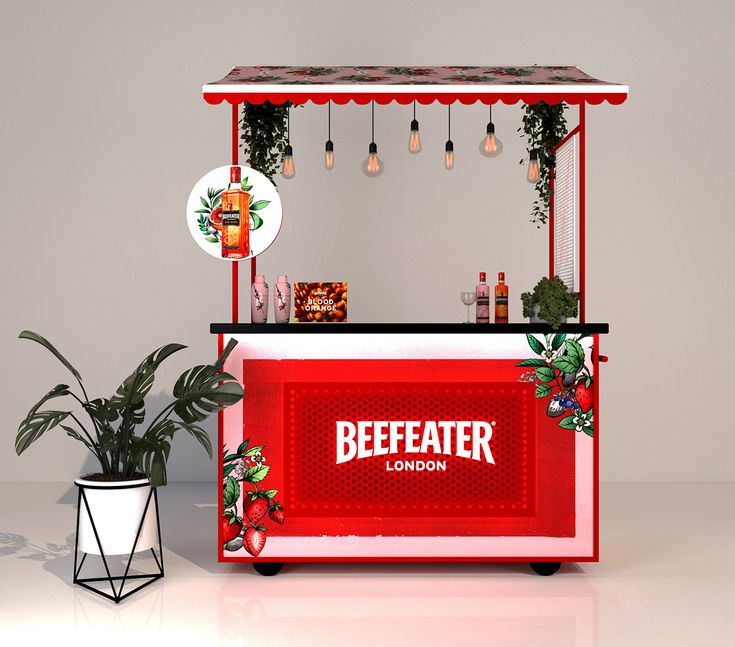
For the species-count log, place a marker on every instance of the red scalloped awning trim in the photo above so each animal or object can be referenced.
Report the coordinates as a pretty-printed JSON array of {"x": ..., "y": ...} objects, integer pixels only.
[{"x": 383, "y": 98}]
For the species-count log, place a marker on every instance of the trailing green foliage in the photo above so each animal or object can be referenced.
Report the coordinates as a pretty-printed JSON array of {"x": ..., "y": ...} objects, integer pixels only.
[
  {"x": 263, "y": 132},
  {"x": 544, "y": 126},
  {"x": 111, "y": 432},
  {"x": 554, "y": 300}
]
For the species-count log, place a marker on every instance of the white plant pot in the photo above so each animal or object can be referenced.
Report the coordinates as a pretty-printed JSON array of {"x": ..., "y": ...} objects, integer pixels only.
[
  {"x": 534, "y": 318},
  {"x": 117, "y": 508}
]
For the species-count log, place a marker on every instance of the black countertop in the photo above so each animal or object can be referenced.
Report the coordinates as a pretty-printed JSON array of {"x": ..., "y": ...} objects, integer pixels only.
[{"x": 406, "y": 328}]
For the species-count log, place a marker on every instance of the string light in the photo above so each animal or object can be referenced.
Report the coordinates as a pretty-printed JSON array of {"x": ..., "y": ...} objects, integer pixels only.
[
  {"x": 414, "y": 139},
  {"x": 449, "y": 146},
  {"x": 491, "y": 146},
  {"x": 329, "y": 146},
  {"x": 289, "y": 169},
  {"x": 373, "y": 166},
  {"x": 534, "y": 171}
]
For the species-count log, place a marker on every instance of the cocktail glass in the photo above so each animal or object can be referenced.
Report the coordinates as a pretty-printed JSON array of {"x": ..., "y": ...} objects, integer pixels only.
[{"x": 468, "y": 298}]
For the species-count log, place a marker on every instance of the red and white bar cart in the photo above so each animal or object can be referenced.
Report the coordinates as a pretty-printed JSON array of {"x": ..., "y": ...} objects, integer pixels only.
[{"x": 435, "y": 442}]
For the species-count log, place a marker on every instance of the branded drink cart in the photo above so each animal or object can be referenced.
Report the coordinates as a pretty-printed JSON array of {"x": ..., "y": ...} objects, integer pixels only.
[{"x": 425, "y": 441}]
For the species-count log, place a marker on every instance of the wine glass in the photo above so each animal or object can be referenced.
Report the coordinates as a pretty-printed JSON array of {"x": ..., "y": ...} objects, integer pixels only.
[{"x": 468, "y": 298}]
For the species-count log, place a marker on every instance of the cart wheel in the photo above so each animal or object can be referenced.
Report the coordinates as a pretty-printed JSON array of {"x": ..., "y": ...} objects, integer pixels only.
[
  {"x": 268, "y": 568},
  {"x": 545, "y": 568}
]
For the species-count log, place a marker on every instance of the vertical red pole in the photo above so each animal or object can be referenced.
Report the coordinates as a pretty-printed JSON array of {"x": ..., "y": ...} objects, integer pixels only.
[
  {"x": 551, "y": 223},
  {"x": 235, "y": 265},
  {"x": 596, "y": 444},
  {"x": 220, "y": 461},
  {"x": 582, "y": 230}
]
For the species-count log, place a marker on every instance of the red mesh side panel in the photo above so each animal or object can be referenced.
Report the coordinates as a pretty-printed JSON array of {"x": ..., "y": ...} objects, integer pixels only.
[{"x": 364, "y": 487}]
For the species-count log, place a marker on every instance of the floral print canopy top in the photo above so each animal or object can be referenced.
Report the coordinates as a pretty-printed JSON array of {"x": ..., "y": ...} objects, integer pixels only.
[
  {"x": 386, "y": 83},
  {"x": 316, "y": 83}
]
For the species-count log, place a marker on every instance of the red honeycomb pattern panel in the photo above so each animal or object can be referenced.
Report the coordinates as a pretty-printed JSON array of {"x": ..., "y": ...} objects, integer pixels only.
[{"x": 317, "y": 486}]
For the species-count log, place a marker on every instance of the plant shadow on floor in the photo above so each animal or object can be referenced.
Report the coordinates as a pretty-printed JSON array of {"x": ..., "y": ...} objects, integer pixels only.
[{"x": 58, "y": 559}]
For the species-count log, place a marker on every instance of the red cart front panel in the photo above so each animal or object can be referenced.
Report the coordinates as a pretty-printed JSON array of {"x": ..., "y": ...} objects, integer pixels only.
[{"x": 393, "y": 447}]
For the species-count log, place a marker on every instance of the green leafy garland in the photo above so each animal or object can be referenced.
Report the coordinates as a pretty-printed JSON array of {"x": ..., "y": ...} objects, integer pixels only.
[
  {"x": 544, "y": 126},
  {"x": 263, "y": 133}
]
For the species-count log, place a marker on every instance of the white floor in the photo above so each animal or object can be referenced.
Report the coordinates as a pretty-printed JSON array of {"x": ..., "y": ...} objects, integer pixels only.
[{"x": 667, "y": 577}]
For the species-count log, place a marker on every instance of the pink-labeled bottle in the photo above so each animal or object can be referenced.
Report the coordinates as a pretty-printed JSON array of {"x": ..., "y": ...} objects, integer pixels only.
[
  {"x": 482, "y": 305},
  {"x": 259, "y": 300},
  {"x": 282, "y": 300}
]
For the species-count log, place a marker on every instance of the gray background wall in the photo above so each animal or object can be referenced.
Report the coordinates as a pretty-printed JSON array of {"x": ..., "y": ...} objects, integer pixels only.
[{"x": 104, "y": 132}]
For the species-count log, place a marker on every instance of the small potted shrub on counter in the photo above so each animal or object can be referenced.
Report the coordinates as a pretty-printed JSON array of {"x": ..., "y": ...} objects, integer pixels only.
[
  {"x": 550, "y": 302},
  {"x": 116, "y": 517}
]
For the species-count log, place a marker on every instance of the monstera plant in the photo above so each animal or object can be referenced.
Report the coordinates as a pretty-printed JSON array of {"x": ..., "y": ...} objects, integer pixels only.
[
  {"x": 110, "y": 430},
  {"x": 115, "y": 515}
]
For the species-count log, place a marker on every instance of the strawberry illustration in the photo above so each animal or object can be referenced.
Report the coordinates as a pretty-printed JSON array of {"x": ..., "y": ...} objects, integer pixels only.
[
  {"x": 255, "y": 505},
  {"x": 231, "y": 526},
  {"x": 583, "y": 395},
  {"x": 255, "y": 540},
  {"x": 276, "y": 513}
]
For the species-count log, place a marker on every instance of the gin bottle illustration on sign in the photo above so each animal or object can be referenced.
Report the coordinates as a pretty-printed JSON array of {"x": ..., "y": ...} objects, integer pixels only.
[
  {"x": 282, "y": 300},
  {"x": 235, "y": 219},
  {"x": 259, "y": 300},
  {"x": 482, "y": 307},
  {"x": 501, "y": 300}
]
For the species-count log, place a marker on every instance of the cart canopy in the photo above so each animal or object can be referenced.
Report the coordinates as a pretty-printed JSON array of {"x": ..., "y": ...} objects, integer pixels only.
[{"x": 383, "y": 84}]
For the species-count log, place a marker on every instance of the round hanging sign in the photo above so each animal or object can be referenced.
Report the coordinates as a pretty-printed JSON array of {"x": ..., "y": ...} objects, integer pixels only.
[{"x": 234, "y": 213}]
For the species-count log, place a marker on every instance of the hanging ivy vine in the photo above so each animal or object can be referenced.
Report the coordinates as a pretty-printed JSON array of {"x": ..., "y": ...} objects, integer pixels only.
[
  {"x": 544, "y": 126},
  {"x": 263, "y": 134}
]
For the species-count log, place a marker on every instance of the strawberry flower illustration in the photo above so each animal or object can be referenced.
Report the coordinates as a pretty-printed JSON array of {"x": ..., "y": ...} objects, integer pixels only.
[
  {"x": 583, "y": 420},
  {"x": 549, "y": 355},
  {"x": 258, "y": 459}
]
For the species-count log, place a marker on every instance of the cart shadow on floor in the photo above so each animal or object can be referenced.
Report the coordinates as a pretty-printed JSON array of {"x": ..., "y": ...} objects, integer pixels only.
[{"x": 417, "y": 604}]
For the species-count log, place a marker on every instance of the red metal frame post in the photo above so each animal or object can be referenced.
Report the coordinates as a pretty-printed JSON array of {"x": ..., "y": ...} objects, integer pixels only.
[
  {"x": 582, "y": 231},
  {"x": 551, "y": 222},
  {"x": 235, "y": 265}
]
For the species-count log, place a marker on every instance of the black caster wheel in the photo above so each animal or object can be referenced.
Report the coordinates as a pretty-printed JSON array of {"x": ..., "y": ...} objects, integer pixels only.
[
  {"x": 545, "y": 568},
  {"x": 268, "y": 568}
]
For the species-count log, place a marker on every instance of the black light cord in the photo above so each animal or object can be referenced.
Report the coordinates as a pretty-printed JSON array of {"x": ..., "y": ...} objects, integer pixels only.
[
  {"x": 372, "y": 120},
  {"x": 449, "y": 121},
  {"x": 329, "y": 119}
]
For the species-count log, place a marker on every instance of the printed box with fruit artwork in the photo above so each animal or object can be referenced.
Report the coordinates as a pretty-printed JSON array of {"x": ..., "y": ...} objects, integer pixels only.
[{"x": 320, "y": 302}]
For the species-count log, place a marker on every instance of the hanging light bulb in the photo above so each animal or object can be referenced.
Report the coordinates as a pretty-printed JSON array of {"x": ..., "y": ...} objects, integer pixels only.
[
  {"x": 329, "y": 146},
  {"x": 414, "y": 139},
  {"x": 289, "y": 169},
  {"x": 449, "y": 146},
  {"x": 491, "y": 146},
  {"x": 329, "y": 155},
  {"x": 373, "y": 166},
  {"x": 449, "y": 155},
  {"x": 534, "y": 172}
]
